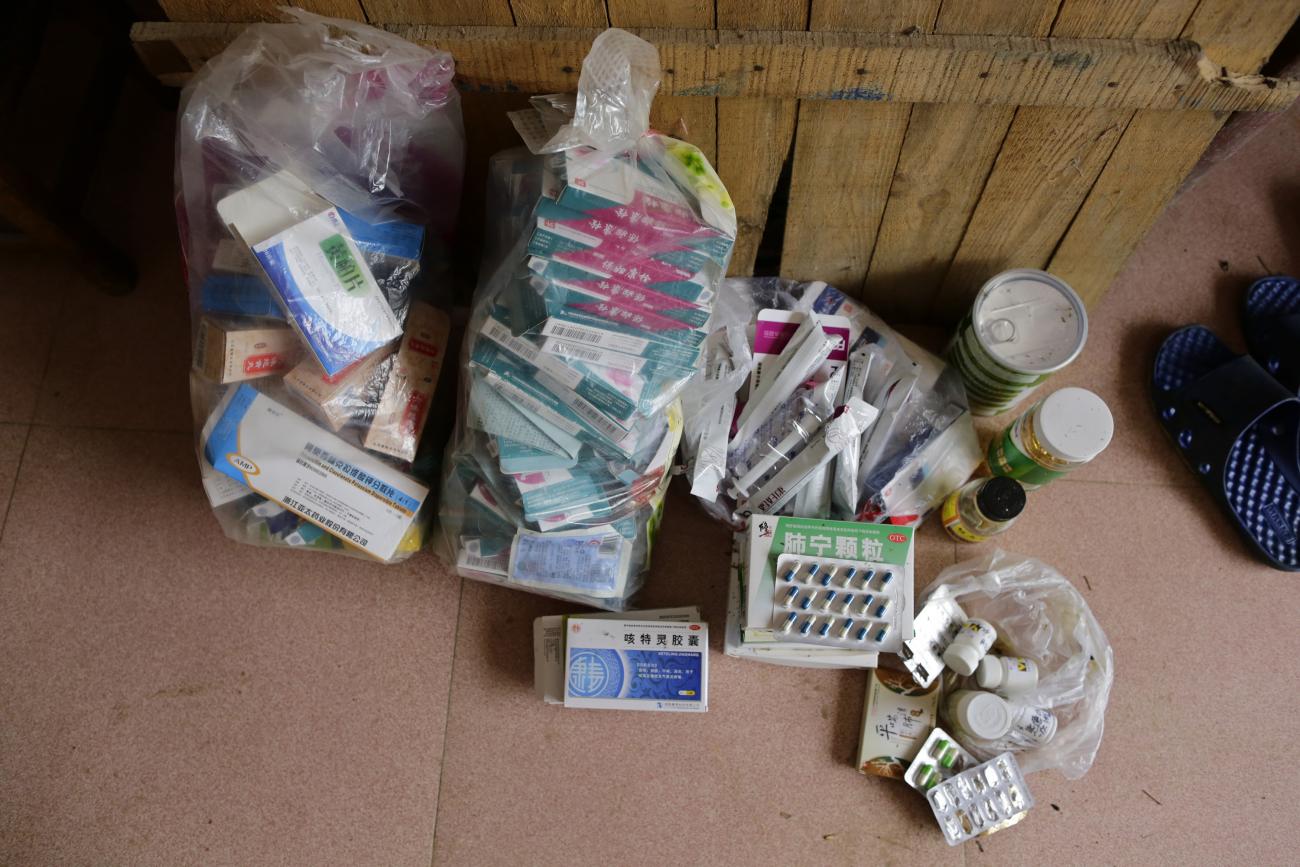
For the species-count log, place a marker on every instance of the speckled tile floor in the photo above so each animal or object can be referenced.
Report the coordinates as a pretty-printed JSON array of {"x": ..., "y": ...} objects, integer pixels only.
[{"x": 170, "y": 697}]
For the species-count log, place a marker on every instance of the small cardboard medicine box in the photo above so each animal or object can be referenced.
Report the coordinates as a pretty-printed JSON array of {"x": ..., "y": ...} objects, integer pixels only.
[
  {"x": 897, "y": 717},
  {"x": 636, "y": 665},
  {"x": 231, "y": 352}
]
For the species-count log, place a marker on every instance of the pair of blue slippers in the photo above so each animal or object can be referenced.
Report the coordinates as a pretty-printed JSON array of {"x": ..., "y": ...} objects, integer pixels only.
[{"x": 1235, "y": 419}]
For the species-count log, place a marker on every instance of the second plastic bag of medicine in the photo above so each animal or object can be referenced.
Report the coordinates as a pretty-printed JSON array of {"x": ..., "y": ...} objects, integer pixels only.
[
  {"x": 318, "y": 174},
  {"x": 607, "y": 242}
]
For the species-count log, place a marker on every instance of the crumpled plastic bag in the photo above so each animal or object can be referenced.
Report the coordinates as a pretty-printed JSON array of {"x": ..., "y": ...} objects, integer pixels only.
[
  {"x": 1038, "y": 614},
  {"x": 921, "y": 447}
]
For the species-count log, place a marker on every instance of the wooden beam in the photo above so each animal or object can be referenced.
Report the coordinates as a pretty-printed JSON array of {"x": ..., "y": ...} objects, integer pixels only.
[{"x": 832, "y": 66}]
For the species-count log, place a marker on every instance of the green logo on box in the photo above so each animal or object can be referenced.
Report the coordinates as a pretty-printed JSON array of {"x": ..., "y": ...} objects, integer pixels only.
[{"x": 345, "y": 266}]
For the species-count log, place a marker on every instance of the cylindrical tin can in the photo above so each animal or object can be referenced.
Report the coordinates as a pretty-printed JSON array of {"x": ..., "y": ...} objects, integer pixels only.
[
  {"x": 1024, "y": 325},
  {"x": 1061, "y": 432}
]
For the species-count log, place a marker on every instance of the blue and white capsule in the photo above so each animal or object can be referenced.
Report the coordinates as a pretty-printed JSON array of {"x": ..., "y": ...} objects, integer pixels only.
[
  {"x": 789, "y": 622},
  {"x": 881, "y": 609},
  {"x": 861, "y": 634},
  {"x": 850, "y": 572},
  {"x": 885, "y": 579},
  {"x": 825, "y": 629},
  {"x": 846, "y": 629},
  {"x": 807, "y": 626},
  {"x": 881, "y": 633},
  {"x": 847, "y": 603},
  {"x": 867, "y": 575},
  {"x": 790, "y": 596},
  {"x": 806, "y": 602}
]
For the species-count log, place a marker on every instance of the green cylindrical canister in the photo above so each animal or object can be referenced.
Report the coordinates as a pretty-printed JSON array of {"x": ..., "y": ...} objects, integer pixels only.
[
  {"x": 1061, "y": 432},
  {"x": 1024, "y": 325}
]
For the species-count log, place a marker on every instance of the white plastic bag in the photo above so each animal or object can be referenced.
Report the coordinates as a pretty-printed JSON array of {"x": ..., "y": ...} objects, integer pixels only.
[
  {"x": 1038, "y": 614},
  {"x": 921, "y": 447},
  {"x": 606, "y": 247},
  {"x": 318, "y": 176}
]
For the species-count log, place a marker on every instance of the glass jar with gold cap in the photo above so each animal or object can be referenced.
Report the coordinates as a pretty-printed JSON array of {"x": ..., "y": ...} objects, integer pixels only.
[{"x": 1060, "y": 433}]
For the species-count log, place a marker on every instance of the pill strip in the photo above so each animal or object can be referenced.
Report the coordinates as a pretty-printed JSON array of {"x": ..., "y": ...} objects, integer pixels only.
[
  {"x": 980, "y": 800},
  {"x": 840, "y": 603},
  {"x": 940, "y": 758}
]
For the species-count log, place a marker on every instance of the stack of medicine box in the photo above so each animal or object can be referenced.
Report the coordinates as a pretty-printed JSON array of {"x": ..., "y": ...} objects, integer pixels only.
[
  {"x": 641, "y": 660},
  {"x": 319, "y": 394},
  {"x": 588, "y": 330}
]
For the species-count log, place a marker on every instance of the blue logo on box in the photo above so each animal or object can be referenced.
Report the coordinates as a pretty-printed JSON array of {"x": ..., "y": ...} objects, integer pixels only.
[{"x": 595, "y": 674}]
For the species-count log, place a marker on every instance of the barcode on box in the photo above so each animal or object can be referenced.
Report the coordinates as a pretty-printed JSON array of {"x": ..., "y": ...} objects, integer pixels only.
[
  {"x": 595, "y": 336},
  {"x": 603, "y": 357},
  {"x": 612, "y": 430},
  {"x": 576, "y": 334},
  {"x": 570, "y": 351}
]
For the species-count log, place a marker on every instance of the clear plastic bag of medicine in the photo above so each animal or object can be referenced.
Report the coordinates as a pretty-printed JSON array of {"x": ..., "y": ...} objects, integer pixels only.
[
  {"x": 328, "y": 126},
  {"x": 922, "y": 446},
  {"x": 606, "y": 244},
  {"x": 1038, "y": 614}
]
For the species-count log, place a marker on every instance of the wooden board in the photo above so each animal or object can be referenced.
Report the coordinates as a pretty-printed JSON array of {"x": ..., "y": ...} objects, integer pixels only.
[
  {"x": 943, "y": 165},
  {"x": 1159, "y": 148},
  {"x": 754, "y": 135},
  {"x": 255, "y": 10},
  {"x": 439, "y": 12},
  {"x": 840, "y": 67},
  {"x": 844, "y": 159},
  {"x": 1046, "y": 166},
  {"x": 1053, "y": 158},
  {"x": 566, "y": 13}
]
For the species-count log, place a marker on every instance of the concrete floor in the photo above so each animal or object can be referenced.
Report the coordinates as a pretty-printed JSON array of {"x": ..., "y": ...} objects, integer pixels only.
[{"x": 170, "y": 697}]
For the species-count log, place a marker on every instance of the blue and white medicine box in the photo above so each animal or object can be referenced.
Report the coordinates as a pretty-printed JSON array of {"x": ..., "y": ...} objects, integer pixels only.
[
  {"x": 636, "y": 665},
  {"x": 313, "y": 264}
]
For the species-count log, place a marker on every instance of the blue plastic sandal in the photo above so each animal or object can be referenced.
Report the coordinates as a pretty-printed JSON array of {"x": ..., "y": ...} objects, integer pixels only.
[
  {"x": 1238, "y": 429},
  {"x": 1271, "y": 320}
]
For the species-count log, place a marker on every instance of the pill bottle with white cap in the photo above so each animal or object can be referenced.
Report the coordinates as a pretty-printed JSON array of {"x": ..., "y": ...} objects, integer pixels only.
[
  {"x": 987, "y": 717},
  {"x": 1007, "y": 675},
  {"x": 981, "y": 715},
  {"x": 972, "y": 641},
  {"x": 1060, "y": 433}
]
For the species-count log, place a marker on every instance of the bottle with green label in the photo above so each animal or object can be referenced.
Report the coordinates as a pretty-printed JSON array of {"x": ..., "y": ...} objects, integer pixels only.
[{"x": 1060, "y": 433}]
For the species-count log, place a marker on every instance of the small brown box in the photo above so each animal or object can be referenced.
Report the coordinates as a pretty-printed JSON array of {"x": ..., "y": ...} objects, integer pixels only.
[{"x": 233, "y": 352}]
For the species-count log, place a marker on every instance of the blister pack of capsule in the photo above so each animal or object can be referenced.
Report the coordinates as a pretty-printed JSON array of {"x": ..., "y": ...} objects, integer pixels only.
[
  {"x": 981, "y": 800},
  {"x": 838, "y": 603},
  {"x": 933, "y": 630},
  {"x": 940, "y": 758}
]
